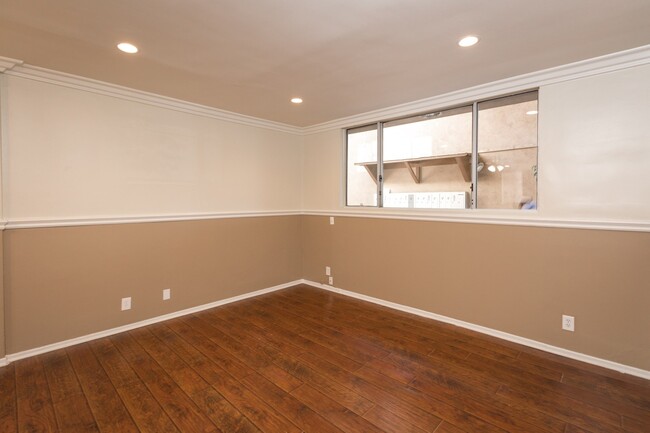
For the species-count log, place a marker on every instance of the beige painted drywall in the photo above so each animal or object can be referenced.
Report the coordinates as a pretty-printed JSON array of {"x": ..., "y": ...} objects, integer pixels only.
[
  {"x": 518, "y": 280},
  {"x": 67, "y": 282},
  {"x": 76, "y": 154},
  {"x": 2, "y": 299},
  {"x": 72, "y": 154}
]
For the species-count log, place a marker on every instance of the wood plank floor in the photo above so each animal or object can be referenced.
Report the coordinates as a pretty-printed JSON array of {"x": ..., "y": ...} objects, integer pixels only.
[{"x": 306, "y": 360}]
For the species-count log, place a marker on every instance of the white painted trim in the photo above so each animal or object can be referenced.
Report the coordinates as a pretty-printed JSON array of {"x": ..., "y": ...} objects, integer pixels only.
[
  {"x": 7, "y": 63},
  {"x": 611, "y": 365},
  {"x": 44, "y": 223},
  {"x": 107, "y": 89},
  {"x": 481, "y": 329},
  {"x": 476, "y": 216},
  {"x": 572, "y": 71},
  {"x": 85, "y": 338}
]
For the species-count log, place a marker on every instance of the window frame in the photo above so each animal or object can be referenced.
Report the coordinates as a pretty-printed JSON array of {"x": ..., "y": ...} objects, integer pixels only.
[{"x": 474, "y": 104}]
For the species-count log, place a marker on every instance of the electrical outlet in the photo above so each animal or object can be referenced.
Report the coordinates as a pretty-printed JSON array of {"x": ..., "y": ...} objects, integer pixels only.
[
  {"x": 126, "y": 303},
  {"x": 568, "y": 323},
  {"x": 331, "y": 281},
  {"x": 328, "y": 271},
  {"x": 167, "y": 294},
  {"x": 331, "y": 221}
]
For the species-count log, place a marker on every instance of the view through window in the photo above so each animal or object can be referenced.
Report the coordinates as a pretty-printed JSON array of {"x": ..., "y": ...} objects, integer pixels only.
[{"x": 431, "y": 161}]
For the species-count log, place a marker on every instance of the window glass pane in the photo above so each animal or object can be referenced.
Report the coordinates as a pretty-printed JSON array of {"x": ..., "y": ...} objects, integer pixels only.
[
  {"x": 427, "y": 160},
  {"x": 362, "y": 166},
  {"x": 507, "y": 153}
]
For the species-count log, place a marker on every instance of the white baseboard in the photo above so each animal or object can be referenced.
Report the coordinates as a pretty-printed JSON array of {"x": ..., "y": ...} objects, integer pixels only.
[
  {"x": 633, "y": 371},
  {"x": 73, "y": 341},
  {"x": 611, "y": 365}
]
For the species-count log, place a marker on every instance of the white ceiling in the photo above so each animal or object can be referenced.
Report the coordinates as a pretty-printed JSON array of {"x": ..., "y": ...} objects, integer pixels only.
[{"x": 343, "y": 57}]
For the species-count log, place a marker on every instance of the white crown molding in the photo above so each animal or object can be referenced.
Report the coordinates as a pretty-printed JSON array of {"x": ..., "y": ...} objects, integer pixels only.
[
  {"x": 572, "y": 71},
  {"x": 85, "y": 338},
  {"x": 7, "y": 63},
  {"x": 3, "y": 362},
  {"x": 475, "y": 216},
  {"x": 611, "y": 365},
  {"x": 73, "y": 222},
  {"x": 107, "y": 89}
]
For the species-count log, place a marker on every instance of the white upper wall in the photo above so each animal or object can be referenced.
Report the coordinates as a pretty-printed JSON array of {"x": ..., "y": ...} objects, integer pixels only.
[
  {"x": 594, "y": 152},
  {"x": 594, "y": 148},
  {"x": 70, "y": 153},
  {"x": 324, "y": 171}
]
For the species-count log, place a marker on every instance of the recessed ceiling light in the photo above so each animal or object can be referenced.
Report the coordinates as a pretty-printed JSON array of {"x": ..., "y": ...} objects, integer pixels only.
[
  {"x": 468, "y": 41},
  {"x": 531, "y": 112},
  {"x": 127, "y": 47},
  {"x": 296, "y": 100}
]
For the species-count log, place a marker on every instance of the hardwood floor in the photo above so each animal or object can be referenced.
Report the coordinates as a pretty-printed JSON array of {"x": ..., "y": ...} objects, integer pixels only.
[{"x": 306, "y": 360}]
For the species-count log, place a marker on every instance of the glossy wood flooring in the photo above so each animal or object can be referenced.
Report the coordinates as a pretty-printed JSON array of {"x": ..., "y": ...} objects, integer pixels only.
[{"x": 306, "y": 360}]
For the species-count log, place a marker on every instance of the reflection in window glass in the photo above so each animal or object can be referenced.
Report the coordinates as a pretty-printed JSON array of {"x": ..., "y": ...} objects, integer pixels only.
[
  {"x": 507, "y": 153},
  {"x": 362, "y": 166},
  {"x": 427, "y": 160}
]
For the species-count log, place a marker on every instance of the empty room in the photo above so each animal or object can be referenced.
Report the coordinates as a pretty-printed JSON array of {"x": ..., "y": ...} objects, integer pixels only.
[{"x": 325, "y": 216}]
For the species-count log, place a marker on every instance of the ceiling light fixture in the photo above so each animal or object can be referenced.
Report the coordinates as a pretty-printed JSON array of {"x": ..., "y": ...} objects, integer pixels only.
[
  {"x": 127, "y": 47},
  {"x": 468, "y": 41},
  {"x": 296, "y": 100},
  {"x": 531, "y": 112}
]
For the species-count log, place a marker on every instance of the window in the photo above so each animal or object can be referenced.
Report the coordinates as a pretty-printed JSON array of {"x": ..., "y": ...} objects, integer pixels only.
[
  {"x": 362, "y": 166},
  {"x": 507, "y": 152},
  {"x": 482, "y": 155}
]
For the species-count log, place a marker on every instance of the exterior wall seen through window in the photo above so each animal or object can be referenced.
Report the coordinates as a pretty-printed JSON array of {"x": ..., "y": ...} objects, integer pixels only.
[{"x": 431, "y": 161}]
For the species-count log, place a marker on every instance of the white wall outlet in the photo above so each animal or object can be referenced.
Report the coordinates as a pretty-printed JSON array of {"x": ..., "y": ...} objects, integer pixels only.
[
  {"x": 328, "y": 271},
  {"x": 126, "y": 303},
  {"x": 568, "y": 323},
  {"x": 331, "y": 221},
  {"x": 167, "y": 294},
  {"x": 331, "y": 281}
]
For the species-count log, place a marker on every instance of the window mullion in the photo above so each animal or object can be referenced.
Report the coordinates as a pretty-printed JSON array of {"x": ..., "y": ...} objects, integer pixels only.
[
  {"x": 473, "y": 188},
  {"x": 380, "y": 164}
]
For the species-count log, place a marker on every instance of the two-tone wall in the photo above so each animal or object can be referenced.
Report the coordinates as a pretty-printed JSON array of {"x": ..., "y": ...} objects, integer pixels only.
[
  {"x": 585, "y": 252},
  {"x": 109, "y": 193},
  {"x": 514, "y": 279},
  {"x": 107, "y": 197}
]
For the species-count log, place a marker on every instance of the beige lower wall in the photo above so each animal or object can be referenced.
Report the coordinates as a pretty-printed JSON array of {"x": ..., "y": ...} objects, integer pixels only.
[
  {"x": 61, "y": 283},
  {"x": 2, "y": 302},
  {"x": 514, "y": 279},
  {"x": 67, "y": 282}
]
